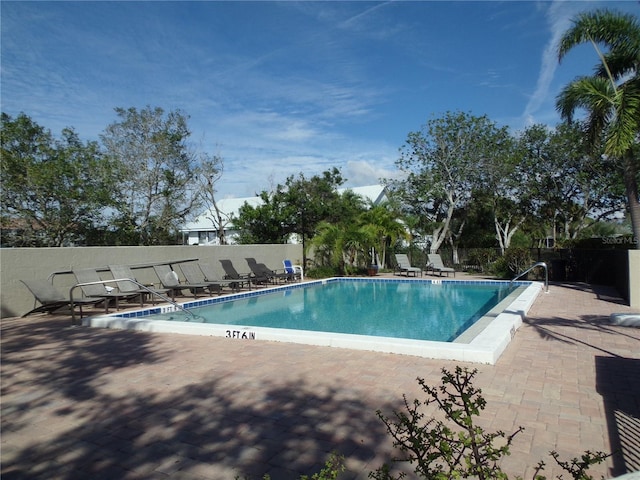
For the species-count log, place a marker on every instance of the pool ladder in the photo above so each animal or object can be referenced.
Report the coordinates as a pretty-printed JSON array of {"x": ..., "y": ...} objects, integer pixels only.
[
  {"x": 176, "y": 305},
  {"x": 538, "y": 264}
]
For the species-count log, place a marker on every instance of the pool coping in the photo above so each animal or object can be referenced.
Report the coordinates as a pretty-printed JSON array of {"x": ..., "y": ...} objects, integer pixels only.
[{"x": 486, "y": 346}]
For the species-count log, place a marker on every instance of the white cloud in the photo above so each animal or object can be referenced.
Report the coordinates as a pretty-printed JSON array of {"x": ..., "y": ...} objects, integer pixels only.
[
  {"x": 368, "y": 172},
  {"x": 296, "y": 131}
]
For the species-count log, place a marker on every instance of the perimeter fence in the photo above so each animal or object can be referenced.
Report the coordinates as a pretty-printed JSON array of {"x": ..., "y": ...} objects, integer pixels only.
[{"x": 597, "y": 266}]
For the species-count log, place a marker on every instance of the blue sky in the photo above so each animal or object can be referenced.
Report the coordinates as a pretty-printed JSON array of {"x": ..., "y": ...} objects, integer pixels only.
[{"x": 278, "y": 88}]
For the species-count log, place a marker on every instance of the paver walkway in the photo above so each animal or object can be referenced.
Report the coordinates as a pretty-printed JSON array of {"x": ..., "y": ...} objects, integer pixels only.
[{"x": 89, "y": 403}]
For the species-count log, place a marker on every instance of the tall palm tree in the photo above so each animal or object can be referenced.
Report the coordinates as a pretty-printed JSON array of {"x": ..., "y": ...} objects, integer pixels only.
[{"x": 611, "y": 96}]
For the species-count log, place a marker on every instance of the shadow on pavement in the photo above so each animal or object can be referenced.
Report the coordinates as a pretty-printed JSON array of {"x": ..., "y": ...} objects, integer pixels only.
[{"x": 618, "y": 381}]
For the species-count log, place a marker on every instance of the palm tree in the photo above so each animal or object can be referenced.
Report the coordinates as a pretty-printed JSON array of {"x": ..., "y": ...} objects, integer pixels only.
[
  {"x": 327, "y": 245},
  {"x": 344, "y": 247},
  {"x": 611, "y": 96},
  {"x": 382, "y": 220}
]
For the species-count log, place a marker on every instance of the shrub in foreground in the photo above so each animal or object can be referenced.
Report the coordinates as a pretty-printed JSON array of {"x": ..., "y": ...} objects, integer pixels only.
[
  {"x": 453, "y": 448},
  {"x": 457, "y": 448}
]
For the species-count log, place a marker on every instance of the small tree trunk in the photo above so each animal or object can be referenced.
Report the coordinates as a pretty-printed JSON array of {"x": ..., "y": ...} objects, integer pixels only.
[
  {"x": 499, "y": 235},
  {"x": 505, "y": 234},
  {"x": 222, "y": 238},
  {"x": 454, "y": 243},
  {"x": 509, "y": 236},
  {"x": 438, "y": 237},
  {"x": 631, "y": 188},
  {"x": 441, "y": 233}
]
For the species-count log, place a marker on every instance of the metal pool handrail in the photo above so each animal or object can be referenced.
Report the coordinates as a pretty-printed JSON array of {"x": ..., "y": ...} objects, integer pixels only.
[
  {"x": 538, "y": 264},
  {"x": 143, "y": 287}
]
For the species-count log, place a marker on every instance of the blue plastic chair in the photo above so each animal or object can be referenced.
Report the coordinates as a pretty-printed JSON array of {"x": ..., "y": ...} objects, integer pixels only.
[{"x": 294, "y": 270}]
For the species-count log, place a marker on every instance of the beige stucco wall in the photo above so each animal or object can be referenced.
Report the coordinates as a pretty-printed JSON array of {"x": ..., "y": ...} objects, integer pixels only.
[
  {"x": 38, "y": 263},
  {"x": 634, "y": 278}
]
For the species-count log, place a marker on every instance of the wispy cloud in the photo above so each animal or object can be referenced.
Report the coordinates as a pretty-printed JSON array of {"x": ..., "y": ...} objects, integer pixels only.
[
  {"x": 366, "y": 22},
  {"x": 357, "y": 17},
  {"x": 559, "y": 15}
]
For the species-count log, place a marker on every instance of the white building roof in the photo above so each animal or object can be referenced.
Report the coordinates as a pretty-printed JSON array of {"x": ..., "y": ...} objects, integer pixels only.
[
  {"x": 376, "y": 194},
  {"x": 231, "y": 206}
]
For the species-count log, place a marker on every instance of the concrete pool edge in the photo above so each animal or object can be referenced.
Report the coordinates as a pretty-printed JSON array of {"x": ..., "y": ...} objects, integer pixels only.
[{"x": 486, "y": 347}]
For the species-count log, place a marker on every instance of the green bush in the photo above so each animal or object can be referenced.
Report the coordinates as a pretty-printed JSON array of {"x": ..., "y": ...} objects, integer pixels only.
[
  {"x": 435, "y": 449},
  {"x": 500, "y": 268},
  {"x": 518, "y": 260},
  {"x": 514, "y": 261},
  {"x": 438, "y": 450},
  {"x": 482, "y": 257},
  {"x": 322, "y": 272},
  {"x": 333, "y": 467}
]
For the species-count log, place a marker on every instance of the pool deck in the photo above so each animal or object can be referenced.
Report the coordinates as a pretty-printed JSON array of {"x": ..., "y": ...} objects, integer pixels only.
[{"x": 95, "y": 403}]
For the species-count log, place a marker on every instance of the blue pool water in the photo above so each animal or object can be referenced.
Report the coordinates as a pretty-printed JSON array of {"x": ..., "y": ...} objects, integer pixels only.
[{"x": 437, "y": 311}]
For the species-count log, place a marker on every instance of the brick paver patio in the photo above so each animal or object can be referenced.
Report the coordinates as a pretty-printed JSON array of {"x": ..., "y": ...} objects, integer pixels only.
[{"x": 88, "y": 403}]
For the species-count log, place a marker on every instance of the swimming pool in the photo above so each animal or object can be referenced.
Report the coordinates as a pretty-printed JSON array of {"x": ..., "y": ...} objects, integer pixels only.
[
  {"x": 417, "y": 310},
  {"x": 390, "y": 315}
]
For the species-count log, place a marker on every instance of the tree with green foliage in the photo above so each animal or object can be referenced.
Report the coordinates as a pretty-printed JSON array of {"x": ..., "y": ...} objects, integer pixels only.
[
  {"x": 611, "y": 96},
  {"x": 578, "y": 187},
  {"x": 503, "y": 190},
  {"x": 157, "y": 190},
  {"x": 350, "y": 243},
  {"x": 315, "y": 200},
  {"x": 345, "y": 246},
  {"x": 328, "y": 247},
  {"x": 442, "y": 163},
  {"x": 54, "y": 191},
  {"x": 264, "y": 223},
  {"x": 384, "y": 221},
  {"x": 565, "y": 185},
  {"x": 295, "y": 208},
  {"x": 480, "y": 231}
]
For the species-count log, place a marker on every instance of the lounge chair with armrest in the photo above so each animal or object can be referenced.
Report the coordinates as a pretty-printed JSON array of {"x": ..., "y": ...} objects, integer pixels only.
[
  {"x": 435, "y": 264},
  {"x": 403, "y": 265},
  {"x": 92, "y": 286},
  {"x": 261, "y": 272},
  {"x": 194, "y": 276},
  {"x": 210, "y": 275},
  {"x": 127, "y": 283},
  {"x": 51, "y": 299},
  {"x": 230, "y": 272},
  {"x": 169, "y": 279}
]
